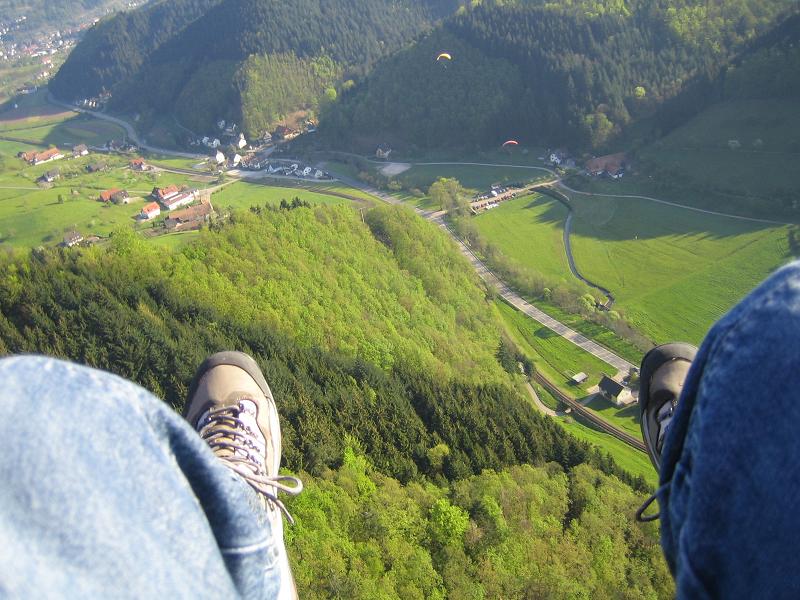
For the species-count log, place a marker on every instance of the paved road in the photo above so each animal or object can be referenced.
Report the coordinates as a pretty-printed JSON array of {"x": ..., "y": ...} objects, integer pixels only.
[
  {"x": 539, "y": 404},
  {"x": 129, "y": 130}
]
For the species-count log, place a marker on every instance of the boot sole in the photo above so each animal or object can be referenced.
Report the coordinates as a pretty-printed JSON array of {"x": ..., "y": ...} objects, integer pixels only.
[{"x": 652, "y": 361}]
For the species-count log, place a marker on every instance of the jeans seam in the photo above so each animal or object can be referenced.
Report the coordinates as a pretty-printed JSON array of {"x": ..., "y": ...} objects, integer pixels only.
[{"x": 250, "y": 548}]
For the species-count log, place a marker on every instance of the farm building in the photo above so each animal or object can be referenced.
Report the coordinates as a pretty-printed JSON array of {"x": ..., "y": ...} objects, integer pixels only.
[
  {"x": 115, "y": 195},
  {"x": 73, "y": 238},
  {"x": 38, "y": 158},
  {"x": 615, "y": 392},
  {"x": 150, "y": 211},
  {"x": 612, "y": 165}
]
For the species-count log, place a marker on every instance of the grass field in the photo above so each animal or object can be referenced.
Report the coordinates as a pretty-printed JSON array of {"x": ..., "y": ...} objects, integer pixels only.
[
  {"x": 243, "y": 195},
  {"x": 471, "y": 177},
  {"x": 530, "y": 230},
  {"x": 175, "y": 241},
  {"x": 696, "y": 165},
  {"x": 673, "y": 271}
]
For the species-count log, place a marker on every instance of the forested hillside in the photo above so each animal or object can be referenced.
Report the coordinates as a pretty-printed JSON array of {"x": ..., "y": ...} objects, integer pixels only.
[
  {"x": 379, "y": 348},
  {"x": 115, "y": 48},
  {"x": 216, "y": 57},
  {"x": 558, "y": 73},
  {"x": 767, "y": 68}
]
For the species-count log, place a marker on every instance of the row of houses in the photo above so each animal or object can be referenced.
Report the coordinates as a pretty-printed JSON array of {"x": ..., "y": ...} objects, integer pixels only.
[{"x": 36, "y": 157}]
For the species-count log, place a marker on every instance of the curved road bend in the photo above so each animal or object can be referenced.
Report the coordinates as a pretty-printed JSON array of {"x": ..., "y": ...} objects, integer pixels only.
[{"x": 129, "y": 130}]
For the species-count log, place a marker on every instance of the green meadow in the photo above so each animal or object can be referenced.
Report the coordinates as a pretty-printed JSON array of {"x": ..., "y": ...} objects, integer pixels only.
[
  {"x": 243, "y": 195},
  {"x": 530, "y": 230},
  {"x": 673, "y": 271},
  {"x": 470, "y": 176}
]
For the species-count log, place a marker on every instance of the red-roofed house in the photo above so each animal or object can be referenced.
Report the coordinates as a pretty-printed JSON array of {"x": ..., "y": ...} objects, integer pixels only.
[
  {"x": 138, "y": 164},
  {"x": 38, "y": 158},
  {"x": 114, "y": 195},
  {"x": 150, "y": 211},
  {"x": 163, "y": 194}
]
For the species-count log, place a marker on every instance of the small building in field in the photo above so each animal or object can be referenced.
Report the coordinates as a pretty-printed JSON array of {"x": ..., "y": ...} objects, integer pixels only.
[
  {"x": 115, "y": 195},
  {"x": 138, "y": 164},
  {"x": 49, "y": 176},
  {"x": 190, "y": 218},
  {"x": 579, "y": 378},
  {"x": 80, "y": 150},
  {"x": 150, "y": 211},
  {"x": 96, "y": 167},
  {"x": 73, "y": 238},
  {"x": 161, "y": 194},
  {"x": 615, "y": 392}
]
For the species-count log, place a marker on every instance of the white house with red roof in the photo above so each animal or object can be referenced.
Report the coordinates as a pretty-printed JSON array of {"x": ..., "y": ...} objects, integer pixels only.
[{"x": 150, "y": 211}]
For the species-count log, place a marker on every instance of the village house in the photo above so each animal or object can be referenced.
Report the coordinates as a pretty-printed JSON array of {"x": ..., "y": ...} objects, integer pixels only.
[
  {"x": 612, "y": 165},
  {"x": 73, "y": 238},
  {"x": 49, "y": 177},
  {"x": 383, "y": 151},
  {"x": 190, "y": 218},
  {"x": 115, "y": 195},
  {"x": 282, "y": 132},
  {"x": 162, "y": 194},
  {"x": 96, "y": 167},
  {"x": 172, "y": 197},
  {"x": 615, "y": 392},
  {"x": 242, "y": 143},
  {"x": 80, "y": 150},
  {"x": 150, "y": 211},
  {"x": 38, "y": 158},
  {"x": 138, "y": 164}
]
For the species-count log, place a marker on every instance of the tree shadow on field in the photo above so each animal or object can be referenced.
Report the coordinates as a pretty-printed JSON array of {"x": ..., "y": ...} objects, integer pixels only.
[{"x": 621, "y": 219}]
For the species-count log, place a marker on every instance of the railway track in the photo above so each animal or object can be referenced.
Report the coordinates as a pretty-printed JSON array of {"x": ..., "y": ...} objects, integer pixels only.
[{"x": 589, "y": 415}]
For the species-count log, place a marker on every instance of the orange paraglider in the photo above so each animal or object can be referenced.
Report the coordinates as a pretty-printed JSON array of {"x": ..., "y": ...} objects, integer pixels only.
[{"x": 510, "y": 143}]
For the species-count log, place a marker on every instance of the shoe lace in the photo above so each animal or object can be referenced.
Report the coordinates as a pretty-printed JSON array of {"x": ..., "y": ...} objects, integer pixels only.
[{"x": 237, "y": 445}]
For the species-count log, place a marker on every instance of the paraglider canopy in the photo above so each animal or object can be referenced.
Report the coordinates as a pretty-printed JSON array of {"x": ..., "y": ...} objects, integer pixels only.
[
  {"x": 510, "y": 143},
  {"x": 444, "y": 56}
]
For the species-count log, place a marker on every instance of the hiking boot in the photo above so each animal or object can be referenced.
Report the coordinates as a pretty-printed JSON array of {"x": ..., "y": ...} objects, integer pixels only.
[
  {"x": 663, "y": 371},
  {"x": 231, "y": 406}
]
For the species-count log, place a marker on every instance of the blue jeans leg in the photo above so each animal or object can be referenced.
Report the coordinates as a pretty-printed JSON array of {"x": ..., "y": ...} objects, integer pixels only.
[
  {"x": 731, "y": 464},
  {"x": 105, "y": 492}
]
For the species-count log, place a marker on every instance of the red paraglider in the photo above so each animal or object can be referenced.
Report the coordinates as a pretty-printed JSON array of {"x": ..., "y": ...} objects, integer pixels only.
[{"x": 510, "y": 143}]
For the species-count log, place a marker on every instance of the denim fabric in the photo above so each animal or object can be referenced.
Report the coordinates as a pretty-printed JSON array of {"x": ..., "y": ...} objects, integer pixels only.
[
  {"x": 106, "y": 493},
  {"x": 730, "y": 474}
]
